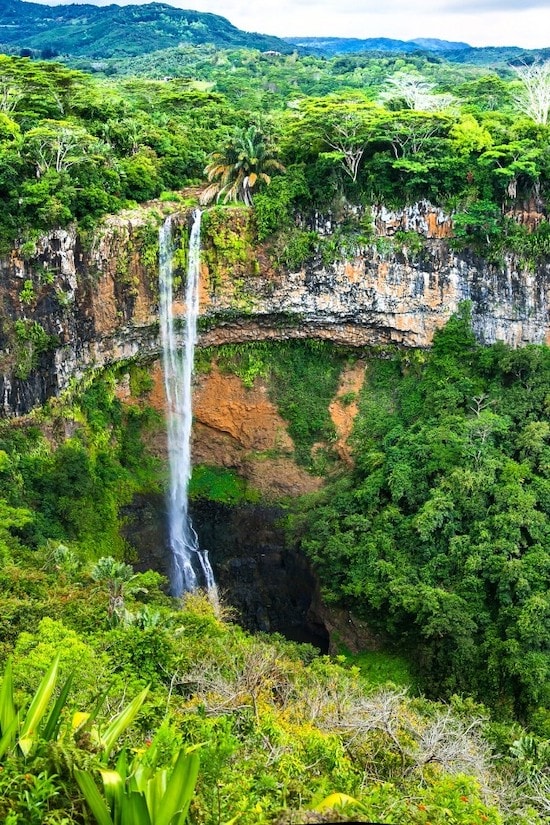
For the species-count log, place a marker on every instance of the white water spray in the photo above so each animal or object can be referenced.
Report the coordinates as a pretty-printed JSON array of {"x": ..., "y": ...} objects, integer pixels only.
[{"x": 190, "y": 567}]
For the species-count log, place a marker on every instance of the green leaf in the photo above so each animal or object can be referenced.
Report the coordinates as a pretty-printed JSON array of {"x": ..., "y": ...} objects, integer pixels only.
[
  {"x": 52, "y": 725},
  {"x": 122, "y": 765},
  {"x": 92, "y": 796},
  {"x": 141, "y": 777},
  {"x": 9, "y": 736},
  {"x": 121, "y": 722},
  {"x": 154, "y": 789},
  {"x": 113, "y": 785},
  {"x": 179, "y": 792},
  {"x": 135, "y": 810},
  {"x": 7, "y": 708},
  {"x": 38, "y": 707}
]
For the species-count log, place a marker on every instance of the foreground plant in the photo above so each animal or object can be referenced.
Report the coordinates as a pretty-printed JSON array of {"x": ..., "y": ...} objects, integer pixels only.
[
  {"x": 23, "y": 730},
  {"x": 30, "y": 785},
  {"x": 140, "y": 793}
]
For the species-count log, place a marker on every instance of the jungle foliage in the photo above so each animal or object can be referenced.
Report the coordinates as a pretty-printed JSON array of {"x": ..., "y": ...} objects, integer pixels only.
[
  {"x": 354, "y": 129},
  {"x": 119, "y": 688},
  {"x": 438, "y": 537},
  {"x": 440, "y": 534}
]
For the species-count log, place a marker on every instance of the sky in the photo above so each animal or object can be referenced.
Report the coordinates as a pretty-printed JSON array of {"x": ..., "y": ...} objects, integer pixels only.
[{"x": 524, "y": 23}]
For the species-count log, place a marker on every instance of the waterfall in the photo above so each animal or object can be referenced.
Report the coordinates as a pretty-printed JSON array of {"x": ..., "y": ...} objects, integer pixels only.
[{"x": 190, "y": 567}]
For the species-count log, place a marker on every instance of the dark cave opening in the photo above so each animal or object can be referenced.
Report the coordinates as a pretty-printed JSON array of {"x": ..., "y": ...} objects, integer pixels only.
[{"x": 268, "y": 583}]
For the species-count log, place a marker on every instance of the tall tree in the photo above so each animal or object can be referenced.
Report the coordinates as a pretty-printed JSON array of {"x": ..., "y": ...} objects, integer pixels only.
[
  {"x": 416, "y": 92},
  {"x": 533, "y": 99},
  {"x": 245, "y": 162}
]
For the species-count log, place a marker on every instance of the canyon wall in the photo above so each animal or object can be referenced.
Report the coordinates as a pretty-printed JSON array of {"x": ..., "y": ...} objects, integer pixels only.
[{"x": 71, "y": 304}]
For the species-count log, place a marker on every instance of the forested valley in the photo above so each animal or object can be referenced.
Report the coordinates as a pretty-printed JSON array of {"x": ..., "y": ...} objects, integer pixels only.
[{"x": 120, "y": 704}]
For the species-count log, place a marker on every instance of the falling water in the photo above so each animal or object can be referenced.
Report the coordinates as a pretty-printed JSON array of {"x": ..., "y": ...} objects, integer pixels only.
[{"x": 190, "y": 565}]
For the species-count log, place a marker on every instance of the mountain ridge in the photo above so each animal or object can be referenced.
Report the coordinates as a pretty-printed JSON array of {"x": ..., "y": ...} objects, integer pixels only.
[
  {"x": 85, "y": 30},
  {"x": 344, "y": 45},
  {"x": 105, "y": 31}
]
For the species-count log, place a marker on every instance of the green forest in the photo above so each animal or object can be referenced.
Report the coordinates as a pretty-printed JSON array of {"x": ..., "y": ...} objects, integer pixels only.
[
  {"x": 360, "y": 129},
  {"x": 120, "y": 705}
]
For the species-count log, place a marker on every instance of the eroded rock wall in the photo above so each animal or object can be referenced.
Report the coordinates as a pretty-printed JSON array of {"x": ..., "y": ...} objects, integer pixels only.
[
  {"x": 73, "y": 304},
  {"x": 241, "y": 429},
  {"x": 387, "y": 293}
]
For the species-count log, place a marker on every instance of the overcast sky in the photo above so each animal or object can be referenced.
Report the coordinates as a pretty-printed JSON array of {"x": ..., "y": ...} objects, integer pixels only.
[{"x": 478, "y": 22}]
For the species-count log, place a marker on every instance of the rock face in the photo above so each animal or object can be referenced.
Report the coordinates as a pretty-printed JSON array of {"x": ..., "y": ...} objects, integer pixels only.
[
  {"x": 67, "y": 309},
  {"x": 70, "y": 306},
  {"x": 268, "y": 584},
  {"x": 239, "y": 428}
]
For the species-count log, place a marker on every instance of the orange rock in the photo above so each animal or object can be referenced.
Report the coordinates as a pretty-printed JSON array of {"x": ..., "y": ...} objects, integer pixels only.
[{"x": 342, "y": 412}]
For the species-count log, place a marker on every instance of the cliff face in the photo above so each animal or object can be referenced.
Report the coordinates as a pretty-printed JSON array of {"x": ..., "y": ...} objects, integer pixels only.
[{"x": 72, "y": 304}]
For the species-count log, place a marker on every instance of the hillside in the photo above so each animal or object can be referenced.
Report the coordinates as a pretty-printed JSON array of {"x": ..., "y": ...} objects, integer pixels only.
[
  {"x": 94, "y": 31},
  {"x": 352, "y": 45},
  {"x": 370, "y": 433},
  {"x": 453, "y": 51}
]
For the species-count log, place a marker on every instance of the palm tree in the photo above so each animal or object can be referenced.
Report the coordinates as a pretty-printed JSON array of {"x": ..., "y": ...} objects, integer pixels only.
[
  {"x": 120, "y": 581},
  {"x": 240, "y": 167}
]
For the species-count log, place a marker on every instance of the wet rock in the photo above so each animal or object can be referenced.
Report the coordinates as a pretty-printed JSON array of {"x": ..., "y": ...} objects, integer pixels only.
[{"x": 268, "y": 584}]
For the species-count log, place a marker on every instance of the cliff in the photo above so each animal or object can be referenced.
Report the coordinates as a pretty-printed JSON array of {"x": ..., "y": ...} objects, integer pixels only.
[{"x": 72, "y": 303}]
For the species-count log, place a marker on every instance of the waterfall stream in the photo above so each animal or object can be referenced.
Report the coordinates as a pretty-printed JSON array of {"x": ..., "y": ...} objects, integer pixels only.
[{"x": 190, "y": 567}]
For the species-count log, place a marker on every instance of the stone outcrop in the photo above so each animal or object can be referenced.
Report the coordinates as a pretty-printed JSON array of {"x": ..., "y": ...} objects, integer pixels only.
[
  {"x": 240, "y": 428},
  {"x": 68, "y": 306}
]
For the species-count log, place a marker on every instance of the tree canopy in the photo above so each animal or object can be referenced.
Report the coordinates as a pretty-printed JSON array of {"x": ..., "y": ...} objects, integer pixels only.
[{"x": 440, "y": 535}]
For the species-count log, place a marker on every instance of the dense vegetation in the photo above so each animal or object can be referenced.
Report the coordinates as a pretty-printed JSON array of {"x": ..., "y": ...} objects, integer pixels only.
[
  {"x": 279, "y": 730},
  {"x": 101, "y": 32},
  {"x": 353, "y": 129},
  {"x": 439, "y": 535}
]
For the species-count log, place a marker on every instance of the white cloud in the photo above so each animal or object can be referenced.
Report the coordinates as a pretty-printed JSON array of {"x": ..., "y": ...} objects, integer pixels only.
[
  {"x": 497, "y": 5},
  {"x": 523, "y": 23}
]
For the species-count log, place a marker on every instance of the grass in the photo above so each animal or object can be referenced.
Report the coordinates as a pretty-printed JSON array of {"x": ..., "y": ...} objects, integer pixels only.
[{"x": 380, "y": 668}]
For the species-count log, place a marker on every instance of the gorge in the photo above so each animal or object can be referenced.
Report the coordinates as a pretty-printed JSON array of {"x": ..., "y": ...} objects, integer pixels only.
[
  {"x": 96, "y": 305},
  {"x": 367, "y": 319}
]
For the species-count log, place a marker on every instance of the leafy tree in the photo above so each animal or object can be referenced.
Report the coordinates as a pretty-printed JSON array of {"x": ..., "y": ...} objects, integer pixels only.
[
  {"x": 57, "y": 146},
  {"x": 478, "y": 226},
  {"x": 243, "y": 165},
  {"x": 416, "y": 92},
  {"x": 487, "y": 93},
  {"x": 515, "y": 162},
  {"x": 339, "y": 127}
]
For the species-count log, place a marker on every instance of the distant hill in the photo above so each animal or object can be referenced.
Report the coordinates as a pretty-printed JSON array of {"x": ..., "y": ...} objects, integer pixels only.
[
  {"x": 347, "y": 45},
  {"x": 455, "y": 52},
  {"x": 432, "y": 44},
  {"x": 100, "y": 32},
  {"x": 107, "y": 31},
  {"x": 497, "y": 55}
]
